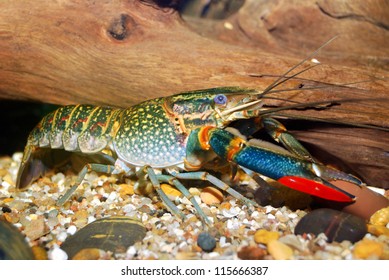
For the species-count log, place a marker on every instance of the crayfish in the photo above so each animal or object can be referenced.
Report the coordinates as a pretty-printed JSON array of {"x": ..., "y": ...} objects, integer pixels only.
[{"x": 171, "y": 139}]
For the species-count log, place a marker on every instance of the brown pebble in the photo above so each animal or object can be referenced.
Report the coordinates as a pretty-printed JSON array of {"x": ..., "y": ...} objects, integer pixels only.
[
  {"x": 251, "y": 253},
  {"x": 211, "y": 195},
  {"x": 35, "y": 228},
  {"x": 80, "y": 218},
  {"x": 88, "y": 254}
]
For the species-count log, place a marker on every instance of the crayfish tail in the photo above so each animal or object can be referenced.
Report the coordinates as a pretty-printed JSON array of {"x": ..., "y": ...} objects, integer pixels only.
[
  {"x": 30, "y": 169},
  {"x": 36, "y": 162}
]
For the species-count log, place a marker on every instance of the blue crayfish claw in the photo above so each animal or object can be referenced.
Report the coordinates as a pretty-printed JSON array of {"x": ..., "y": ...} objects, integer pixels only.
[{"x": 282, "y": 166}]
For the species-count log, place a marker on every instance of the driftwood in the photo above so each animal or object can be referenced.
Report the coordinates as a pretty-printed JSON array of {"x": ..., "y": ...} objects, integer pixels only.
[{"x": 123, "y": 52}]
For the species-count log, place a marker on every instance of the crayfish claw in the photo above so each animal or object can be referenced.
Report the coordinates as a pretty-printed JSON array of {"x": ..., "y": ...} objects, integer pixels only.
[{"x": 322, "y": 189}]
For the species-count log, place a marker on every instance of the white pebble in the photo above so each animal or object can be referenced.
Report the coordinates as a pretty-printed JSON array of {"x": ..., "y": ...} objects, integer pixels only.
[
  {"x": 57, "y": 254},
  {"x": 178, "y": 232},
  {"x": 229, "y": 213},
  {"x": 131, "y": 251},
  {"x": 271, "y": 216},
  {"x": 232, "y": 224},
  {"x": 62, "y": 236},
  {"x": 166, "y": 217},
  {"x": 223, "y": 242},
  {"x": 57, "y": 178},
  {"x": 95, "y": 202},
  {"x": 292, "y": 215},
  {"x": 111, "y": 198},
  {"x": 255, "y": 214},
  {"x": 64, "y": 220},
  {"x": 91, "y": 219},
  {"x": 145, "y": 217},
  {"x": 213, "y": 255},
  {"x": 268, "y": 209},
  {"x": 71, "y": 230}
]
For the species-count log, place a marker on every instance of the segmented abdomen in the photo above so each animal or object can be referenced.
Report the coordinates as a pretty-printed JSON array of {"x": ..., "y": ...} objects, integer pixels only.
[{"x": 84, "y": 128}]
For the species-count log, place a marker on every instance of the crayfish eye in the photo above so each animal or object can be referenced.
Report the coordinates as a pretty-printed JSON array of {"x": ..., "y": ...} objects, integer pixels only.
[{"x": 220, "y": 99}]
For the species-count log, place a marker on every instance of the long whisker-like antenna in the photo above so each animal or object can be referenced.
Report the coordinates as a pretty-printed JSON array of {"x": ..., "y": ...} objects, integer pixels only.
[
  {"x": 282, "y": 78},
  {"x": 324, "y": 85},
  {"x": 271, "y": 111},
  {"x": 332, "y": 121}
]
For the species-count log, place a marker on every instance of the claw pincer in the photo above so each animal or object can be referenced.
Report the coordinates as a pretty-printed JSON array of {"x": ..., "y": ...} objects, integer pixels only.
[{"x": 286, "y": 168}]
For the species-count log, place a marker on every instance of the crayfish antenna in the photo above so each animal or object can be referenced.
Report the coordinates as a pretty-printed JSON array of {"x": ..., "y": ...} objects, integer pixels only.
[{"x": 283, "y": 78}]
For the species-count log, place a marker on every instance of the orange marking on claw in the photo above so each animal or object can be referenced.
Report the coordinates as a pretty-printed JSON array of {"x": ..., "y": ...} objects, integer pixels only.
[
  {"x": 204, "y": 137},
  {"x": 235, "y": 146}
]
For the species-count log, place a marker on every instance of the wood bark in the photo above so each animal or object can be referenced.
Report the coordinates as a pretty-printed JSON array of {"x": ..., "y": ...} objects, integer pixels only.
[{"x": 123, "y": 52}]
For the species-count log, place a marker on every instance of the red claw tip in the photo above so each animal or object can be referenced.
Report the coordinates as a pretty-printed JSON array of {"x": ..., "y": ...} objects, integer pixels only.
[{"x": 315, "y": 188}]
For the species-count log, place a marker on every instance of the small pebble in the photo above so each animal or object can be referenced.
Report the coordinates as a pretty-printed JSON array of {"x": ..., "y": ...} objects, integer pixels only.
[
  {"x": 171, "y": 191},
  {"x": 279, "y": 250},
  {"x": 211, "y": 195},
  {"x": 381, "y": 217},
  {"x": 71, "y": 230},
  {"x": 264, "y": 236},
  {"x": 368, "y": 249},
  {"x": 53, "y": 213},
  {"x": 293, "y": 241},
  {"x": 378, "y": 230},
  {"x": 230, "y": 213},
  {"x": 88, "y": 254},
  {"x": 225, "y": 205},
  {"x": 251, "y": 253},
  {"x": 206, "y": 242},
  {"x": 126, "y": 190},
  {"x": 35, "y": 228},
  {"x": 57, "y": 254}
]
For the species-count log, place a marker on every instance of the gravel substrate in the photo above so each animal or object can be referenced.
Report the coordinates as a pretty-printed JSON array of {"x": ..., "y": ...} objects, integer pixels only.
[{"x": 47, "y": 226}]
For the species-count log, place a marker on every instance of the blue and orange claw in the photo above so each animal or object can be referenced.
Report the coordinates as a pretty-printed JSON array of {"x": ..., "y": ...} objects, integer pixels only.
[{"x": 329, "y": 192}]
